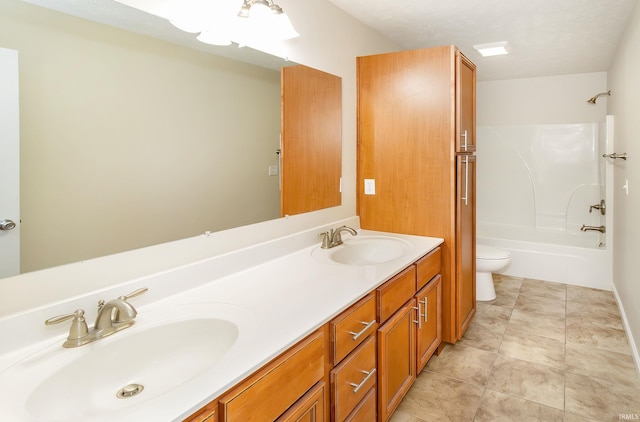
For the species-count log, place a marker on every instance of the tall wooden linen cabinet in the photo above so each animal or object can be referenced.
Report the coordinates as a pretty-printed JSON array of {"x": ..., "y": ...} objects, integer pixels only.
[{"x": 416, "y": 139}]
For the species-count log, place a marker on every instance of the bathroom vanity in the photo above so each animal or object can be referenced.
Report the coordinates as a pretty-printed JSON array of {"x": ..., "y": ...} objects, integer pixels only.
[{"x": 279, "y": 331}]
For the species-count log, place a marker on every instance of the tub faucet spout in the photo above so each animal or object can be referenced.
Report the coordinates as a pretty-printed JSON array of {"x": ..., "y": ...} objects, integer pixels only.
[{"x": 600, "y": 229}]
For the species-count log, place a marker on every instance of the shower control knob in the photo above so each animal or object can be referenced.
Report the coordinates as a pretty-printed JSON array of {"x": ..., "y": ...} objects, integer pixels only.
[{"x": 7, "y": 225}]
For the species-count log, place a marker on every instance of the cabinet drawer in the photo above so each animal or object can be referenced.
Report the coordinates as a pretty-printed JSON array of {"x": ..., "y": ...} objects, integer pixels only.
[
  {"x": 428, "y": 266},
  {"x": 310, "y": 408},
  {"x": 365, "y": 411},
  {"x": 352, "y": 327},
  {"x": 395, "y": 293},
  {"x": 353, "y": 378},
  {"x": 269, "y": 393}
]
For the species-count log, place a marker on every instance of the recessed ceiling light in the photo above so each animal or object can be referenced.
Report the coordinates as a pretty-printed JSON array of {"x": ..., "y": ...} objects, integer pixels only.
[{"x": 493, "y": 49}]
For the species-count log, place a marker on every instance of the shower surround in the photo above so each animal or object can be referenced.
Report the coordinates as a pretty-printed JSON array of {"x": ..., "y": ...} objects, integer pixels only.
[{"x": 535, "y": 187}]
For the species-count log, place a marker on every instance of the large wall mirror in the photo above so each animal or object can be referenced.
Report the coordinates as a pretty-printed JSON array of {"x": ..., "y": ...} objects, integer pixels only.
[{"x": 128, "y": 141}]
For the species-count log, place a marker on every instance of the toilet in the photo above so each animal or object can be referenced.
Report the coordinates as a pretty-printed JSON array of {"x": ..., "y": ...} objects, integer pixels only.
[{"x": 489, "y": 260}]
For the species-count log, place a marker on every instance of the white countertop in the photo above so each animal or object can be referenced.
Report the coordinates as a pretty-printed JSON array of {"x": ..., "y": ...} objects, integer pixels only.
[{"x": 286, "y": 298}]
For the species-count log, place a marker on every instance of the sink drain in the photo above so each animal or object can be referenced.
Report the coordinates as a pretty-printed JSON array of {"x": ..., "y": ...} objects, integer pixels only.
[{"x": 129, "y": 391}]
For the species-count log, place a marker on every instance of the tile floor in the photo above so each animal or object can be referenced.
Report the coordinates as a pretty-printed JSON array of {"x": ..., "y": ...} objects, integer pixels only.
[{"x": 540, "y": 351}]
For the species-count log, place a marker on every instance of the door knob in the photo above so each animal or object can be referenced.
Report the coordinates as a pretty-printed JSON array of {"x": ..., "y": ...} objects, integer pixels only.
[{"x": 7, "y": 225}]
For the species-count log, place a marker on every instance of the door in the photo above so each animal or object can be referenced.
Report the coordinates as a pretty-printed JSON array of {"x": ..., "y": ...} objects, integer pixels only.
[
  {"x": 465, "y": 242},
  {"x": 9, "y": 164},
  {"x": 311, "y": 140}
]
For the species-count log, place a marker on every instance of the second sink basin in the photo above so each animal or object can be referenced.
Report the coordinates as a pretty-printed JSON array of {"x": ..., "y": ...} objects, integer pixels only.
[{"x": 364, "y": 250}]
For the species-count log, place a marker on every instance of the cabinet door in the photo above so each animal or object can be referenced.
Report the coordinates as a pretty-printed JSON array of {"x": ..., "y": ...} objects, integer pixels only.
[
  {"x": 465, "y": 242},
  {"x": 310, "y": 407},
  {"x": 396, "y": 360},
  {"x": 465, "y": 104},
  {"x": 429, "y": 303},
  {"x": 366, "y": 409}
]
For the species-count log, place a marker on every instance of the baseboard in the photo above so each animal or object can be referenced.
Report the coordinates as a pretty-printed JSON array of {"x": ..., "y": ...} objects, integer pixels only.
[{"x": 627, "y": 329}]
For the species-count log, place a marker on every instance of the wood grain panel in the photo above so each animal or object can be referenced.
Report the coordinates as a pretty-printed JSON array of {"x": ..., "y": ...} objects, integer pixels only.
[
  {"x": 396, "y": 360},
  {"x": 267, "y": 394},
  {"x": 311, "y": 140},
  {"x": 430, "y": 331},
  {"x": 427, "y": 267},
  {"x": 353, "y": 320},
  {"x": 395, "y": 293}
]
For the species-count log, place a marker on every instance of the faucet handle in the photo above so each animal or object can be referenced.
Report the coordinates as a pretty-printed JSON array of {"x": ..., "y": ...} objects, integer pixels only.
[
  {"x": 326, "y": 239},
  {"x": 134, "y": 293},
  {"x": 78, "y": 328}
]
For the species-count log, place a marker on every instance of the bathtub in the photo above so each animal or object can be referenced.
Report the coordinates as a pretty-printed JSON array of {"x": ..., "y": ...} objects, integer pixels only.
[{"x": 577, "y": 259}]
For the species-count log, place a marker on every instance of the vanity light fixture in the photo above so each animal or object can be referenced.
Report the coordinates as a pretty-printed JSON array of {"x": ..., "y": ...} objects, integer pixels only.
[
  {"x": 493, "y": 49},
  {"x": 219, "y": 22},
  {"x": 264, "y": 18}
]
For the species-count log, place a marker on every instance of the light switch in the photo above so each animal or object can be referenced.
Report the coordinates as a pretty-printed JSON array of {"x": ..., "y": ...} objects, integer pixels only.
[{"x": 273, "y": 170}]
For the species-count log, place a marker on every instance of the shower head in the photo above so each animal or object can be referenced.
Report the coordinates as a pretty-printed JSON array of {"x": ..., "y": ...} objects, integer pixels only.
[{"x": 593, "y": 99}]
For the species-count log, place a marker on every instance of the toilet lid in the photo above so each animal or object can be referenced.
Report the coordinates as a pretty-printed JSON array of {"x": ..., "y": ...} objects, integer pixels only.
[{"x": 489, "y": 252}]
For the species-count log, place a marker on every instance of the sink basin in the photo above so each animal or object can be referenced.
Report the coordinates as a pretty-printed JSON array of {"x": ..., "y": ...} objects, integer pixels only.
[
  {"x": 364, "y": 250},
  {"x": 108, "y": 378}
]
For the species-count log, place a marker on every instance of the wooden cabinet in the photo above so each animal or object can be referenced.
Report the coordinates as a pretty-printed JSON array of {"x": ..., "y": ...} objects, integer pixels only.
[
  {"x": 356, "y": 368},
  {"x": 209, "y": 413},
  {"x": 272, "y": 390},
  {"x": 429, "y": 332},
  {"x": 309, "y": 408},
  {"x": 416, "y": 138},
  {"x": 410, "y": 331},
  {"x": 354, "y": 356},
  {"x": 396, "y": 360}
]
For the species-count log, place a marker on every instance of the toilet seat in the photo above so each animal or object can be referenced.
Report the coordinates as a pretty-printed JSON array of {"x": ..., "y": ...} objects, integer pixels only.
[{"x": 490, "y": 253}]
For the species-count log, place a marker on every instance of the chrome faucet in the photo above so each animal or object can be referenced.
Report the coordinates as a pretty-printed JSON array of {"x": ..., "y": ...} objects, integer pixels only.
[
  {"x": 600, "y": 229},
  {"x": 334, "y": 236},
  {"x": 113, "y": 316}
]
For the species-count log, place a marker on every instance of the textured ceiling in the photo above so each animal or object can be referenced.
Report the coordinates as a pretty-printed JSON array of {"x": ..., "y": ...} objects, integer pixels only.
[{"x": 548, "y": 37}]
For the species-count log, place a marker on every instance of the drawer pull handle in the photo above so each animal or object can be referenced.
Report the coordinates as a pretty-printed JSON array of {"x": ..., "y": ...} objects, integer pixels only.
[
  {"x": 425, "y": 302},
  {"x": 368, "y": 374},
  {"x": 419, "y": 320},
  {"x": 367, "y": 325}
]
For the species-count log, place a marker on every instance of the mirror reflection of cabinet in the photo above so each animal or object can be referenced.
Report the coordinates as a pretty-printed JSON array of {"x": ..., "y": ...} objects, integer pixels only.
[{"x": 311, "y": 140}]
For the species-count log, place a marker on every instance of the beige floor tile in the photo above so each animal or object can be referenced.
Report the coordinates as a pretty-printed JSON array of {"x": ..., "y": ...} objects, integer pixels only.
[
  {"x": 481, "y": 337},
  {"x": 463, "y": 363},
  {"x": 545, "y": 289},
  {"x": 527, "y": 321},
  {"x": 540, "y": 305},
  {"x": 496, "y": 407},
  {"x": 593, "y": 362},
  {"x": 507, "y": 289},
  {"x": 530, "y": 381},
  {"x": 570, "y": 417},
  {"x": 589, "y": 295},
  {"x": 438, "y": 398},
  {"x": 533, "y": 348},
  {"x": 606, "y": 315},
  {"x": 614, "y": 339},
  {"x": 492, "y": 317},
  {"x": 600, "y": 399}
]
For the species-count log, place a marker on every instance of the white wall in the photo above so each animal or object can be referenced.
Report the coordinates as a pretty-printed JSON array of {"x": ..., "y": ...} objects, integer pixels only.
[
  {"x": 624, "y": 105},
  {"x": 545, "y": 100}
]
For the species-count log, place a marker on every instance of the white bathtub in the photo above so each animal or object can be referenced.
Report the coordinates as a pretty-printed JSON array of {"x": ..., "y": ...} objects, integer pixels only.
[{"x": 551, "y": 256}]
